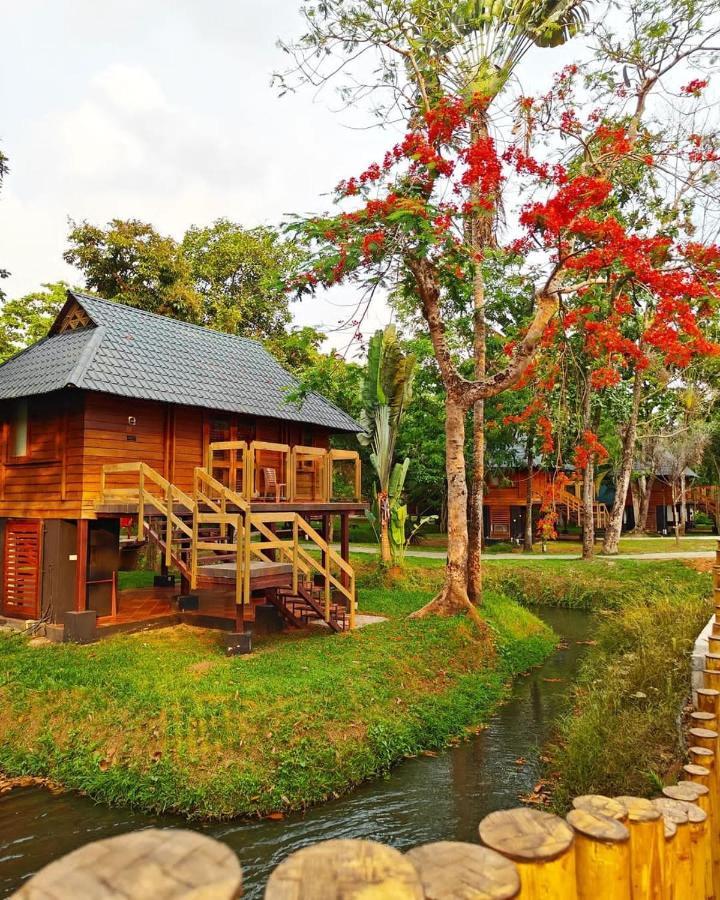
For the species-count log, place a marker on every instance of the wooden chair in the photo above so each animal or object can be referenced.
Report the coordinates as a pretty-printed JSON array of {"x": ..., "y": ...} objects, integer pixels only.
[{"x": 271, "y": 484}]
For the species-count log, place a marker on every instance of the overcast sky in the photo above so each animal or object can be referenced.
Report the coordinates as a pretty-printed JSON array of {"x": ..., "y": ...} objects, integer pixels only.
[{"x": 162, "y": 110}]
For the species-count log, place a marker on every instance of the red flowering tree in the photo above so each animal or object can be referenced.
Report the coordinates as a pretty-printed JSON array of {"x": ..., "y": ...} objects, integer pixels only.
[{"x": 406, "y": 220}]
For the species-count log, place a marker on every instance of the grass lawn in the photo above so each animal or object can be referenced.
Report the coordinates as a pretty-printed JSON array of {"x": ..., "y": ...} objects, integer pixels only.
[
  {"x": 627, "y": 545},
  {"x": 163, "y": 720}
]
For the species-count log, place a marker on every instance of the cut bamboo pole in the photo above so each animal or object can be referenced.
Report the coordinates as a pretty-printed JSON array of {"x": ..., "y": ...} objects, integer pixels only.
[
  {"x": 345, "y": 870},
  {"x": 708, "y": 700},
  {"x": 703, "y": 769},
  {"x": 704, "y": 737},
  {"x": 542, "y": 847},
  {"x": 714, "y": 643},
  {"x": 712, "y": 662},
  {"x": 701, "y": 719},
  {"x": 450, "y": 870},
  {"x": 602, "y": 856},
  {"x": 678, "y": 850},
  {"x": 697, "y": 796},
  {"x": 601, "y": 806},
  {"x": 711, "y": 679},
  {"x": 646, "y": 848}
]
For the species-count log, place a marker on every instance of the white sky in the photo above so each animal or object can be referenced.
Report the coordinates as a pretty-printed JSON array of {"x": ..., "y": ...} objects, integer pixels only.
[{"x": 162, "y": 110}]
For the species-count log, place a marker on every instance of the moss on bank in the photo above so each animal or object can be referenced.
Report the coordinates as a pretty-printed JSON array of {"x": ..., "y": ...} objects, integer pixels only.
[{"x": 162, "y": 720}]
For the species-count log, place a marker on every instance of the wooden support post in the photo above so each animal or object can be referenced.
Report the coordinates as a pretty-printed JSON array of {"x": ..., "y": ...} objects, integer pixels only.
[
  {"x": 678, "y": 850},
  {"x": 324, "y": 531},
  {"x": 239, "y": 575},
  {"x": 647, "y": 843},
  {"x": 345, "y": 869},
  {"x": 169, "y": 529},
  {"x": 194, "y": 547},
  {"x": 296, "y": 553},
  {"x": 541, "y": 846},
  {"x": 141, "y": 504},
  {"x": 81, "y": 567},
  {"x": 345, "y": 545},
  {"x": 711, "y": 679},
  {"x": 699, "y": 719},
  {"x": 451, "y": 869},
  {"x": 602, "y": 856}
]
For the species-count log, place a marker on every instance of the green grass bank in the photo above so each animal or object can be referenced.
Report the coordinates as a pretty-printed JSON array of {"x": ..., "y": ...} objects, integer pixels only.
[
  {"x": 163, "y": 721},
  {"x": 624, "y": 733}
]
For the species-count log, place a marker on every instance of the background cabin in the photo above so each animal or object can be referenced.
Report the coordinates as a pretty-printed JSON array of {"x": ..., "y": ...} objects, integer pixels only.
[{"x": 122, "y": 427}]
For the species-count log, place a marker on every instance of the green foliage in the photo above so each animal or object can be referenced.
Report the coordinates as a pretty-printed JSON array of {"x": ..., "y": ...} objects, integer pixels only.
[
  {"x": 239, "y": 274},
  {"x": 165, "y": 721},
  {"x": 130, "y": 262},
  {"x": 222, "y": 275},
  {"x": 27, "y": 319}
]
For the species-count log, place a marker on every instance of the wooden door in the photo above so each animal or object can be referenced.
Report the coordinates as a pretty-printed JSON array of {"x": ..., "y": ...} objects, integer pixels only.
[{"x": 21, "y": 569}]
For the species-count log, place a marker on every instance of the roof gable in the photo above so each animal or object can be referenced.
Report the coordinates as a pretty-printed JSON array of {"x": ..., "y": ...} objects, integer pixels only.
[{"x": 100, "y": 345}]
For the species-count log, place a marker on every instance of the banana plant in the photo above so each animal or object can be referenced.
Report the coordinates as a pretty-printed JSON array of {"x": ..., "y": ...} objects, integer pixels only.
[{"x": 386, "y": 394}]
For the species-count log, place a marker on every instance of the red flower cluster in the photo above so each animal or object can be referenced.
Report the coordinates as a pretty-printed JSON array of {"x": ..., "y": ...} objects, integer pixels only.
[
  {"x": 588, "y": 449},
  {"x": 373, "y": 242},
  {"x": 695, "y": 87}
]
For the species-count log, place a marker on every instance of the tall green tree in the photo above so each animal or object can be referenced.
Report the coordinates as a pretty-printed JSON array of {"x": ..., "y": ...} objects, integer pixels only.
[
  {"x": 424, "y": 51},
  {"x": 239, "y": 274},
  {"x": 129, "y": 261},
  {"x": 27, "y": 319},
  {"x": 386, "y": 394}
]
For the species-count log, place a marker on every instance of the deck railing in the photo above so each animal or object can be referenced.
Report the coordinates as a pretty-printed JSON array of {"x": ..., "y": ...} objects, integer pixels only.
[
  {"x": 241, "y": 533},
  {"x": 303, "y": 474}
]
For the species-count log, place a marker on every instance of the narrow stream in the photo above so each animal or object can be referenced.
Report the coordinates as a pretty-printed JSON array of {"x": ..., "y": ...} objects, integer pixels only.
[{"x": 425, "y": 799}]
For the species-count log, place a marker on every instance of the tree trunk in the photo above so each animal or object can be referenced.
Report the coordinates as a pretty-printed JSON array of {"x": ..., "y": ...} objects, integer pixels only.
[
  {"x": 588, "y": 485},
  {"x": 528, "y": 536},
  {"x": 477, "y": 485},
  {"x": 453, "y": 598},
  {"x": 683, "y": 503},
  {"x": 385, "y": 554},
  {"x": 481, "y": 235},
  {"x": 635, "y": 508},
  {"x": 645, "y": 486},
  {"x": 614, "y": 526},
  {"x": 588, "y": 514}
]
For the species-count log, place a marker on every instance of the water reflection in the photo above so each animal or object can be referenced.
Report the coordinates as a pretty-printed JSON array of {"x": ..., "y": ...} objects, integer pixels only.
[{"x": 425, "y": 799}]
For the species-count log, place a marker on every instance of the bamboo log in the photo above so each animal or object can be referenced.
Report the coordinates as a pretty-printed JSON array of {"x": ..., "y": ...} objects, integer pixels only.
[
  {"x": 712, "y": 662},
  {"x": 711, "y": 679},
  {"x": 697, "y": 796},
  {"x": 703, "y": 769},
  {"x": 708, "y": 700},
  {"x": 343, "y": 870},
  {"x": 701, "y": 719},
  {"x": 602, "y": 856},
  {"x": 714, "y": 643},
  {"x": 159, "y": 863},
  {"x": 704, "y": 737},
  {"x": 646, "y": 848},
  {"x": 678, "y": 862},
  {"x": 601, "y": 806},
  {"x": 542, "y": 847},
  {"x": 450, "y": 870}
]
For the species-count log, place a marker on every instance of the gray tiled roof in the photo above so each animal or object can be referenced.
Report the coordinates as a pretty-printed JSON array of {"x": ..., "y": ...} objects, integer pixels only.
[{"x": 138, "y": 354}]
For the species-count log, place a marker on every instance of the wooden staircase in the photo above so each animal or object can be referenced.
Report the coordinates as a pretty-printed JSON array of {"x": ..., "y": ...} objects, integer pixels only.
[
  {"x": 574, "y": 507},
  {"x": 213, "y": 537}
]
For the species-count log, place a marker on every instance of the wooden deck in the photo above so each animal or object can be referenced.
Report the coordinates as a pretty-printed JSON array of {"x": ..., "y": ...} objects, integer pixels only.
[{"x": 306, "y": 508}]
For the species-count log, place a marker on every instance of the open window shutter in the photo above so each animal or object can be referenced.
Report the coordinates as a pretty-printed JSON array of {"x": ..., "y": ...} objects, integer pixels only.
[{"x": 21, "y": 596}]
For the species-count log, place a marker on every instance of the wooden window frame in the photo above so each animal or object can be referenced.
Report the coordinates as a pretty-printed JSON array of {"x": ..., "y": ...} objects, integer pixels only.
[{"x": 25, "y": 457}]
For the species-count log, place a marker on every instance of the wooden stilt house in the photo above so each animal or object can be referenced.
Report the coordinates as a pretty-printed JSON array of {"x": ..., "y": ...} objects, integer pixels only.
[{"x": 123, "y": 431}]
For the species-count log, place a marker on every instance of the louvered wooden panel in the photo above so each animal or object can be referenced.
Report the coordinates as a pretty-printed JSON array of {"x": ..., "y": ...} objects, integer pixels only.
[
  {"x": 501, "y": 521},
  {"x": 21, "y": 594}
]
